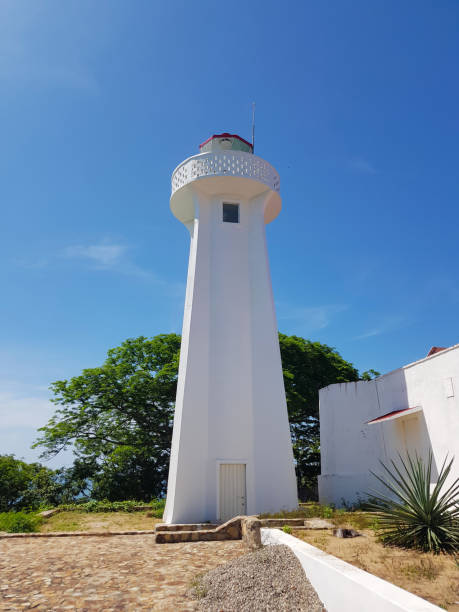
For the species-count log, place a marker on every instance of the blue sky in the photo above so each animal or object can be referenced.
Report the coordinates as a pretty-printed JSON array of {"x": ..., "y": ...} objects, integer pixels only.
[{"x": 357, "y": 108}]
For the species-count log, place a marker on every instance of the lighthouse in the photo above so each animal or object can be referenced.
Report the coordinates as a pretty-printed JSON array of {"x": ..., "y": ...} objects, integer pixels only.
[{"x": 231, "y": 448}]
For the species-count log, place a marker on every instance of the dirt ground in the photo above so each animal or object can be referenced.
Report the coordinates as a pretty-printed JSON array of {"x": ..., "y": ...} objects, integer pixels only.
[
  {"x": 99, "y": 521},
  {"x": 433, "y": 577},
  {"x": 105, "y": 574}
]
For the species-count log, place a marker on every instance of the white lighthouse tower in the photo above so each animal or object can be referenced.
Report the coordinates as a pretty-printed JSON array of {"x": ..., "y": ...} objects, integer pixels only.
[{"x": 231, "y": 448}]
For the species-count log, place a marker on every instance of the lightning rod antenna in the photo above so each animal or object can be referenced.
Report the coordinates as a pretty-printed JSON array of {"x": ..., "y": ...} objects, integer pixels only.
[{"x": 253, "y": 127}]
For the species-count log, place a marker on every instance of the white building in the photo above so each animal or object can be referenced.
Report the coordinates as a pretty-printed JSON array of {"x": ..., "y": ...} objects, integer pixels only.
[
  {"x": 414, "y": 409},
  {"x": 231, "y": 448}
]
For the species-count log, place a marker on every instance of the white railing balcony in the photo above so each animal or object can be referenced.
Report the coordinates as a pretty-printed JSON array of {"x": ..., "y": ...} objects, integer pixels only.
[{"x": 227, "y": 163}]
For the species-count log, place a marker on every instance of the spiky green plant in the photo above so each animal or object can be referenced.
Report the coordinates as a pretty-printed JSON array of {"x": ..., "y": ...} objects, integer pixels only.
[{"x": 412, "y": 515}]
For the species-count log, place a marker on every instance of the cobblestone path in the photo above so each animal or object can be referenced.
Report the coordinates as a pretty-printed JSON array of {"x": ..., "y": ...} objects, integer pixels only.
[{"x": 104, "y": 573}]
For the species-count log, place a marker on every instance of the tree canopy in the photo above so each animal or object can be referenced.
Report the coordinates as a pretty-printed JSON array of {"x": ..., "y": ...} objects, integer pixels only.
[
  {"x": 118, "y": 417},
  {"x": 29, "y": 485},
  {"x": 309, "y": 366}
]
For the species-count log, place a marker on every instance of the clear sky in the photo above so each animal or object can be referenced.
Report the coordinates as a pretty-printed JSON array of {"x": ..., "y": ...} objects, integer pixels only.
[{"x": 357, "y": 108}]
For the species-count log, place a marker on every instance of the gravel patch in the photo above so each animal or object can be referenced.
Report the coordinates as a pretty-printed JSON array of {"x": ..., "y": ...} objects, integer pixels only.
[{"x": 270, "y": 579}]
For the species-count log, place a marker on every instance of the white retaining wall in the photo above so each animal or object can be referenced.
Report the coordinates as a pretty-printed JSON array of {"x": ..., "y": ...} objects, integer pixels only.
[{"x": 343, "y": 587}]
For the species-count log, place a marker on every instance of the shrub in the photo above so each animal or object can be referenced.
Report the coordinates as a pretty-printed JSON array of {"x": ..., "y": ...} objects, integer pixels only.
[
  {"x": 156, "y": 505},
  {"x": 418, "y": 517},
  {"x": 310, "y": 510},
  {"x": 19, "y": 522},
  {"x": 286, "y": 529},
  {"x": 327, "y": 512},
  {"x": 30, "y": 486}
]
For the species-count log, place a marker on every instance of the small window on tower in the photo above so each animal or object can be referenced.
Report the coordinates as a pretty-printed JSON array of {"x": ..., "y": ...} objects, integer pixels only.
[{"x": 230, "y": 213}]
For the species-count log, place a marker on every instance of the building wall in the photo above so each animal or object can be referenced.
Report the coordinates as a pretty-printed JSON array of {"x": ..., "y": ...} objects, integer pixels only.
[{"x": 350, "y": 448}]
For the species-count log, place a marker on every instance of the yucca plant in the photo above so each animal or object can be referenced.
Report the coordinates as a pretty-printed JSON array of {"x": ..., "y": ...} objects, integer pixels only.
[{"x": 412, "y": 515}]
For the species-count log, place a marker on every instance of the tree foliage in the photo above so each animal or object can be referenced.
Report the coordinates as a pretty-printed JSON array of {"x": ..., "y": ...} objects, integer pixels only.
[
  {"x": 29, "y": 485},
  {"x": 19, "y": 522},
  {"x": 309, "y": 366},
  {"x": 118, "y": 417}
]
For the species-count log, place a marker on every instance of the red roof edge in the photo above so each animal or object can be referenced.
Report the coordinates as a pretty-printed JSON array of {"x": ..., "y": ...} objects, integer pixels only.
[
  {"x": 225, "y": 134},
  {"x": 389, "y": 415},
  {"x": 436, "y": 349}
]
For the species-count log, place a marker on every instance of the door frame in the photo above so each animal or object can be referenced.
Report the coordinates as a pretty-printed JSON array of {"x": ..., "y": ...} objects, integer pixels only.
[{"x": 224, "y": 461}]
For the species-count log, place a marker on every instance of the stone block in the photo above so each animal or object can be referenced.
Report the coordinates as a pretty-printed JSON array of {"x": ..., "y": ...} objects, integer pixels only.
[
  {"x": 318, "y": 523},
  {"x": 48, "y": 513},
  {"x": 345, "y": 533},
  {"x": 233, "y": 532},
  {"x": 234, "y": 522},
  {"x": 185, "y": 527},
  {"x": 251, "y": 534},
  {"x": 160, "y": 537}
]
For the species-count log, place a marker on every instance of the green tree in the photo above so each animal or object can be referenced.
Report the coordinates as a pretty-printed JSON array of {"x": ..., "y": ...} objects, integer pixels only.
[
  {"x": 27, "y": 485},
  {"x": 309, "y": 366},
  {"x": 15, "y": 476},
  {"x": 118, "y": 418},
  {"x": 369, "y": 374}
]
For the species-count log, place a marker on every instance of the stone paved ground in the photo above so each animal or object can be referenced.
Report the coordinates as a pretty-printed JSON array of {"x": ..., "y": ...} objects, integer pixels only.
[{"x": 104, "y": 573}]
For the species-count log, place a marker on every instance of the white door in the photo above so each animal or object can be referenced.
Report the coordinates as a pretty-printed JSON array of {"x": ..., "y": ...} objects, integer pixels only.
[{"x": 232, "y": 490}]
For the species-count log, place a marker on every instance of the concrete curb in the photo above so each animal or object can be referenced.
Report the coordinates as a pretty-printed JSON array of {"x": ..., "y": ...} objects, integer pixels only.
[
  {"x": 53, "y": 511},
  {"x": 71, "y": 534},
  {"x": 342, "y": 587}
]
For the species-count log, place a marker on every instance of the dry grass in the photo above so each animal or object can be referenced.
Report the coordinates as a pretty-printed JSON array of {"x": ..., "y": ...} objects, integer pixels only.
[
  {"x": 358, "y": 519},
  {"x": 99, "y": 521},
  {"x": 433, "y": 577}
]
